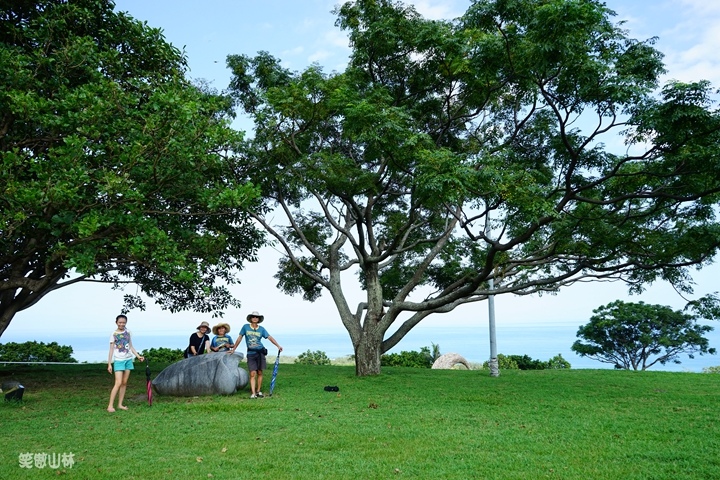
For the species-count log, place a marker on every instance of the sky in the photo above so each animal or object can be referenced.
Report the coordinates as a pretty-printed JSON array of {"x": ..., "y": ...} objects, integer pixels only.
[{"x": 301, "y": 33}]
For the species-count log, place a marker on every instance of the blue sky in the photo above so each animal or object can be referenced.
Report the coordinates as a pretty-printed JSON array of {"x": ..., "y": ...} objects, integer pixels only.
[{"x": 301, "y": 33}]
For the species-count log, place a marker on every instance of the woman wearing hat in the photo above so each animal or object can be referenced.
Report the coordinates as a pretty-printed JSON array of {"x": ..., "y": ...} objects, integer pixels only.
[
  {"x": 199, "y": 341},
  {"x": 221, "y": 342},
  {"x": 256, "y": 352}
]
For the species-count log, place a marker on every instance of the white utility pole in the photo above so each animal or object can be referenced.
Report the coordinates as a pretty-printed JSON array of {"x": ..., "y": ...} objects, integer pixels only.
[
  {"x": 493, "y": 363},
  {"x": 494, "y": 368}
]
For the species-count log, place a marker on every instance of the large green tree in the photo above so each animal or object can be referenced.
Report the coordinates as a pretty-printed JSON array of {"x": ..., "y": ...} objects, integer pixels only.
[
  {"x": 114, "y": 167},
  {"x": 448, "y": 154},
  {"x": 637, "y": 335}
]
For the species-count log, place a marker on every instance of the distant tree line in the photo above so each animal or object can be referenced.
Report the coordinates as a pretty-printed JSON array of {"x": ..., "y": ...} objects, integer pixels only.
[
  {"x": 525, "y": 362},
  {"x": 36, "y": 352},
  {"x": 163, "y": 355}
]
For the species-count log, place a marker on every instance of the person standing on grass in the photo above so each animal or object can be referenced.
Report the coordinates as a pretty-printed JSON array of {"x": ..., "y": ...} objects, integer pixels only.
[
  {"x": 256, "y": 352},
  {"x": 120, "y": 361},
  {"x": 221, "y": 342},
  {"x": 199, "y": 341}
]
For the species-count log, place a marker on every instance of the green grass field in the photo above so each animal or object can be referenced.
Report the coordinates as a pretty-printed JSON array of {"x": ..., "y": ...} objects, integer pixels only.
[{"x": 405, "y": 423}]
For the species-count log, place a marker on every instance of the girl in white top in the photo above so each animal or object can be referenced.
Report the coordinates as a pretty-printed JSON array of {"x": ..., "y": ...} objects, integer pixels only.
[{"x": 120, "y": 360}]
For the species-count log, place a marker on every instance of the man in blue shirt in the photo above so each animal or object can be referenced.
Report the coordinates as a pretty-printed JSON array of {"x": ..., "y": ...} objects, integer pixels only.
[{"x": 256, "y": 352}]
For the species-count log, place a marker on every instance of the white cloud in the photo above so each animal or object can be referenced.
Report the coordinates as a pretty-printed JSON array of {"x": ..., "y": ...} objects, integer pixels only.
[
  {"x": 703, "y": 7},
  {"x": 686, "y": 30},
  {"x": 691, "y": 45},
  {"x": 438, "y": 10},
  {"x": 319, "y": 55},
  {"x": 293, "y": 51},
  {"x": 337, "y": 38},
  {"x": 332, "y": 44}
]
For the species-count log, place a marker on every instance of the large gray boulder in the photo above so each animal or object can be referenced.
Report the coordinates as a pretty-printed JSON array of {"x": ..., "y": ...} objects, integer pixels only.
[{"x": 216, "y": 373}]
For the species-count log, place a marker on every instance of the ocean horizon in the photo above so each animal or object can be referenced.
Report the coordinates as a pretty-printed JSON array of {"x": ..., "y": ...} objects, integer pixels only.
[{"x": 538, "y": 342}]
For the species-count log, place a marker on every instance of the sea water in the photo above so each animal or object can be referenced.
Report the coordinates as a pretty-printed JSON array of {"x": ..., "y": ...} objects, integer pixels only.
[{"x": 540, "y": 342}]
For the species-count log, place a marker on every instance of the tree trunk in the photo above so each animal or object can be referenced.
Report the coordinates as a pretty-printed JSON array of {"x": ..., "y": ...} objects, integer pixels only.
[
  {"x": 367, "y": 355},
  {"x": 7, "y": 313}
]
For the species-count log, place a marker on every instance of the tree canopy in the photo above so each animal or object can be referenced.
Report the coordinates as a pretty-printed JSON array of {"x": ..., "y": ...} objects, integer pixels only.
[
  {"x": 449, "y": 153},
  {"x": 114, "y": 166},
  {"x": 638, "y": 336}
]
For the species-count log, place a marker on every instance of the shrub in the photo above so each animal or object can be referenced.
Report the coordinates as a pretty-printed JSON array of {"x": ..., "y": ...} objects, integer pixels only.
[
  {"x": 36, "y": 352},
  {"x": 163, "y": 355},
  {"x": 524, "y": 362},
  {"x": 711, "y": 370},
  {"x": 317, "y": 357},
  {"x": 504, "y": 363},
  {"x": 421, "y": 359},
  {"x": 557, "y": 362}
]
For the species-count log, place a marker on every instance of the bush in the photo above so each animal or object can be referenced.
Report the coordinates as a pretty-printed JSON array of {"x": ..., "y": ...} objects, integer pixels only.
[
  {"x": 504, "y": 363},
  {"x": 317, "y": 357},
  {"x": 557, "y": 362},
  {"x": 421, "y": 359},
  {"x": 163, "y": 355},
  {"x": 36, "y": 352},
  {"x": 524, "y": 362},
  {"x": 711, "y": 370}
]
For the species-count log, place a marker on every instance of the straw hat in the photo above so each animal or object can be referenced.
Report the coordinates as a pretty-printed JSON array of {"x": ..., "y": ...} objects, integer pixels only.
[
  {"x": 217, "y": 327},
  {"x": 256, "y": 314},
  {"x": 204, "y": 324}
]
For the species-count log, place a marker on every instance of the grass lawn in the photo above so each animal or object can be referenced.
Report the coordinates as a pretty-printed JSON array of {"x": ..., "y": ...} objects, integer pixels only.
[{"x": 405, "y": 423}]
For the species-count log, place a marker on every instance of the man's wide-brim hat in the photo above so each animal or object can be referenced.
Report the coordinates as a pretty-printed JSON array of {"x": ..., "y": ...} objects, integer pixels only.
[
  {"x": 256, "y": 314},
  {"x": 220, "y": 325},
  {"x": 204, "y": 324}
]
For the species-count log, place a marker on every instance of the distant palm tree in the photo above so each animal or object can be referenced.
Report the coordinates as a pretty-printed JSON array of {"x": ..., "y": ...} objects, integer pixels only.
[{"x": 435, "y": 351}]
